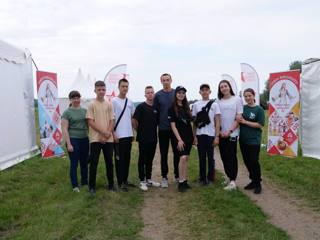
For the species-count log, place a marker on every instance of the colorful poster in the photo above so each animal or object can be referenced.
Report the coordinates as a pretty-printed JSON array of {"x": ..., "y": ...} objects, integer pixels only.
[
  {"x": 284, "y": 113},
  {"x": 250, "y": 79},
  {"x": 112, "y": 78},
  {"x": 49, "y": 115}
]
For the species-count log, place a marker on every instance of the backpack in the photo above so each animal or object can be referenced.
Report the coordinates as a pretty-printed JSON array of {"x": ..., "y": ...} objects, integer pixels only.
[{"x": 202, "y": 118}]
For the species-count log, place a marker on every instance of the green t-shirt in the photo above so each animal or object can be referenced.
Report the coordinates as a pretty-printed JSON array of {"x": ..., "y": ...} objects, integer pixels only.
[
  {"x": 78, "y": 127},
  {"x": 250, "y": 135}
]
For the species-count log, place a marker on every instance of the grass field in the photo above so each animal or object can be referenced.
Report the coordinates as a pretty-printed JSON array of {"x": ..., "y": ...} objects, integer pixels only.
[{"x": 300, "y": 176}]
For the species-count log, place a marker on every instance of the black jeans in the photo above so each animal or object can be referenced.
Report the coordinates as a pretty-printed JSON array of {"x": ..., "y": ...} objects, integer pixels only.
[
  {"x": 122, "y": 159},
  {"x": 205, "y": 151},
  {"x": 228, "y": 153},
  {"x": 250, "y": 154},
  {"x": 80, "y": 154},
  {"x": 146, "y": 155},
  {"x": 95, "y": 149},
  {"x": 164, "y": 137}
]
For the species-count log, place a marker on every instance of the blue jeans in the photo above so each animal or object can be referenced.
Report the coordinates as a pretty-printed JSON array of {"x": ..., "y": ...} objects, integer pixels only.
[
  {"x": 80, "y": 154},
  {"x": 205, "y": 152}
]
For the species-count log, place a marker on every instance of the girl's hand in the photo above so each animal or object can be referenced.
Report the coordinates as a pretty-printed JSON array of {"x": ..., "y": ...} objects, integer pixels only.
[
  {"x": 70, "y": 147},
  {"x": 216, "y": 141},
  {"x": 180, "y": 145}
]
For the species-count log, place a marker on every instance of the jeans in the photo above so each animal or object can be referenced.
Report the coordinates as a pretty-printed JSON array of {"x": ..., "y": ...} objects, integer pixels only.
[
  {"x": 95, "y": 149},
  {"x": 122, "y": 159},
  {"x": 146, "y": 155},
  {"x": 250, "y": 154},
  {"x": 205, "y": 152},
  {"x": 228, "y": 153},
  {"x": 164, "y": 137},
  {"x": 80, "y": 154}
]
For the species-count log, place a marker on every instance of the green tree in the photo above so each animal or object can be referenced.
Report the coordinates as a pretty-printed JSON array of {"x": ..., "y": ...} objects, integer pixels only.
[{"x": 296, "y": 65}]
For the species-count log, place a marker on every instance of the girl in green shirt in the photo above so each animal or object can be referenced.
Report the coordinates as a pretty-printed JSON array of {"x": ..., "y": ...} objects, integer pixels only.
[
  {"x": 75, "y": 133},
  {"x": 251, "y": 124}
]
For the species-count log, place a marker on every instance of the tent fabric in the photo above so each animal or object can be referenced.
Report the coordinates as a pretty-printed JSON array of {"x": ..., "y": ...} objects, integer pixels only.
[
  {"x": 84, "y": 86},
  {"x": 310, "y": 114},
  {"x": 18, "y": 141}
]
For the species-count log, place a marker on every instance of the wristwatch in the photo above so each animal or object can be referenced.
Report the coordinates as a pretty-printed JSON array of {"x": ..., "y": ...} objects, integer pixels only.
[{"x": 231, "y": 131}]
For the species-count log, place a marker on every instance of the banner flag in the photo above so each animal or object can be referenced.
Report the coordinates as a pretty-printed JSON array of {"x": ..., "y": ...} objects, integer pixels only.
[
  {"x": 250, "y": 79},
  {"x": 49, "y": 115},
  {"x": 284, "y": 113},
  {"x": 112, "y": 78},
  {"x": 233, "y": 83}
]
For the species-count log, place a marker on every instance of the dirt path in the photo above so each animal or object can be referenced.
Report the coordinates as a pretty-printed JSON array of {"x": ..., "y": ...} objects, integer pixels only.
[
  {"x": 158, "y": 203},
  {"x": 286, "y": 212}
]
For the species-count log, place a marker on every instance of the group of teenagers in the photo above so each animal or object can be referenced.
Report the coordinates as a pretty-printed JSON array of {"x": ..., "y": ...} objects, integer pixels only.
[{"x": 163, "y": 117}]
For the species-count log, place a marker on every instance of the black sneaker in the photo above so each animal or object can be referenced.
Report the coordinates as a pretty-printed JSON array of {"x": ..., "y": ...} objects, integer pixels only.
[
  {"x": 257, "y": 189},
  {"x": 203, "y": 183},
  {"x": 250, "y": 186},
  {"x": 124, "y": 188},
  {"x": 92, "y": 192},
  {"x": 112, "y": 188},
  {"x": 186, "y": 185},
  {"x": 181, "y": 187}
]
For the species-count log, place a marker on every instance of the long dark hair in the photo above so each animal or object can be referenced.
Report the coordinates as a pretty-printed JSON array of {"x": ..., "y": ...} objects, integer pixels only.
[
  {"x": 220, "y": 94},
  {"x": 185, "y": 106}
]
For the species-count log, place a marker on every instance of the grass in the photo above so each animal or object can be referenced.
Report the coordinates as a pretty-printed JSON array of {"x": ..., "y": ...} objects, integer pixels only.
[
  {"x": 212, "y": 213},
  {"x": 37, "y": 202},
  {"x": 300, "y": 176}
]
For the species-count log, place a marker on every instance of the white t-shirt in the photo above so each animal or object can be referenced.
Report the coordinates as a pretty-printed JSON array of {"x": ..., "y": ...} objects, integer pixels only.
[
  {"x": 229, "y": 109},
  {"x": 124, "y": 128},
  {"x": 214, "y": 110}
]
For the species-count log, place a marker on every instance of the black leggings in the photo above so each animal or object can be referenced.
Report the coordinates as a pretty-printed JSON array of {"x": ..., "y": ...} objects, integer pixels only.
[
  {"x": 250, "y": 154},
  {"x": 228, "y": 153}
]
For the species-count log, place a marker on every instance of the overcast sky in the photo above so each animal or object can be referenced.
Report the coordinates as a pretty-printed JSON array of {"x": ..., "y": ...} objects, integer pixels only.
[{"x": 195, "y": 41}]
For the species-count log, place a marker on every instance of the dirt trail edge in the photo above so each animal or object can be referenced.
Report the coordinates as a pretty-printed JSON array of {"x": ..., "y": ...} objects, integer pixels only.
[{"x": 284, "y": 211}]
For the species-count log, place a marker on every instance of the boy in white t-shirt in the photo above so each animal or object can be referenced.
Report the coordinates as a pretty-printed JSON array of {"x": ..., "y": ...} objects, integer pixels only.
[
  {"x": 122, "y": 134},
  {"x": 206, "y": 133}
]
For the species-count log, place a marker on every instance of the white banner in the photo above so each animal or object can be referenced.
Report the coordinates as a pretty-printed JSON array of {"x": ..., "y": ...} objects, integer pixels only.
[
  {"x": 310, "y": 114},
  {"x": 112, "y": 78},
  {"x": 250, "y": 79}
]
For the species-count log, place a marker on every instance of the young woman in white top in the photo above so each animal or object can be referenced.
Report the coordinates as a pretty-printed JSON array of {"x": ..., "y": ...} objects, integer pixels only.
[{"x": 231, "y": 109}]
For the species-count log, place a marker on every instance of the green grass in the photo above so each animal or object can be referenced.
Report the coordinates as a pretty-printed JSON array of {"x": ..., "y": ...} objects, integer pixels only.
[
  {"x": 300, "y": 176},
  {"x": 213, "y": 213},
  {"x": 37, "y": 202}
]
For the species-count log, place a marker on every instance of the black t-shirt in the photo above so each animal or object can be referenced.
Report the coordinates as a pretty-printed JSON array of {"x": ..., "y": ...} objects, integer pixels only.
[
  {"x": 183, "y": 123},
  {"x": 147, "y": 117}
]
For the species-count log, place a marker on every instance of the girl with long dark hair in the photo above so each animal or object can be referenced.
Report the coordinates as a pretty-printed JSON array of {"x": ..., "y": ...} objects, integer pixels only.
[
  {"x": 231, "y": 108},
  {"x": 180, "y": 119}
]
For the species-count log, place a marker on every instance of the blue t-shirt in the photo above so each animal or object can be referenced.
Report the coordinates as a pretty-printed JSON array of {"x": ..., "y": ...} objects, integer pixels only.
[{"x": 162, "y": 102}]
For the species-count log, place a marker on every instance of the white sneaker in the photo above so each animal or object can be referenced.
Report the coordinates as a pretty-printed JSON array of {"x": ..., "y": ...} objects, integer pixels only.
[
  {"x": 151, "y": 183},
  {"x": 164, "y": 183},
  {"x": 231, "y": 186},
  {"x": 143, "y": 186},
  {"x": 176, "y": 180},
  {"x": 76, "y": 189}
]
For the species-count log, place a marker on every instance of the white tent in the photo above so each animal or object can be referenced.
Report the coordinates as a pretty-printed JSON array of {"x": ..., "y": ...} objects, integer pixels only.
[
  {"x": 17, "y": 123},
  {"x": 84, "y": 86},
  {"x": 310, "y": 114}
]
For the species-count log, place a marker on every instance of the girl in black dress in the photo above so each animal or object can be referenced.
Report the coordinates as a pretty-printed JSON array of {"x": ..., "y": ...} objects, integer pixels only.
[{"x": 180, "y": 119}]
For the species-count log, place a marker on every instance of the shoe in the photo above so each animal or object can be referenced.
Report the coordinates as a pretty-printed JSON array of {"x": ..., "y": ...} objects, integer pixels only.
[
  {"x": 164, "y": 183},
  {"x": 143, "y": 186},
  {"x": 176, "y": 179},
  {"x": 186, "y": 185},
  {"x": 182, "y": 187},
  {"x": 76, "y": 189},
  {"x": 250, "y": 186},
  {"x": 92, "y": 192},
  {"x": 124, "y": 188},
  {"x": 151, "y": 183},
  {"x": 112, "y": 188},
  {"x": 203, "y": 183},
  {"x": 257, "y": 189},
  {"x": 225, "y": 182},
  {"x": 231, "y": 186}
]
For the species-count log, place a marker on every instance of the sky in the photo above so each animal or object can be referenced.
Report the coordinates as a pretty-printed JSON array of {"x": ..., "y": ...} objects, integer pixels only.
[{"x": 194, "y": 41}]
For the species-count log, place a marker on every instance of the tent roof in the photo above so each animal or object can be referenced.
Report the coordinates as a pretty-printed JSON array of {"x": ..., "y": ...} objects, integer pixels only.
[
  {"x": 84, "y": 86},
  {"x": 11, "y": 53}
]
